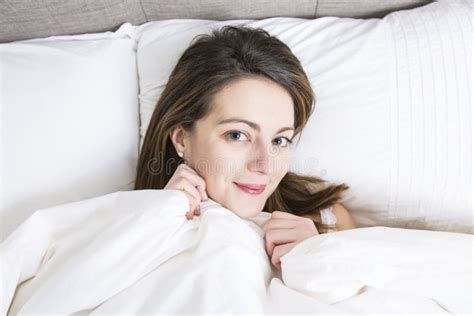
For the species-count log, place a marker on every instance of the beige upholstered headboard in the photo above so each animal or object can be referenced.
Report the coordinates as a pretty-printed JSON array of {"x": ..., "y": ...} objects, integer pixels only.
[{"x": 26, "y": 19}]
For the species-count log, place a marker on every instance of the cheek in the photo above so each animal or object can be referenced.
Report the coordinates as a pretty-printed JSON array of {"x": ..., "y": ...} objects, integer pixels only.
[
  {"x": 282, "y": 164},
  {"x": 219, "y": 165},
  {"x": 206, "y": 156},
  {"x": 228, "y": 162}
]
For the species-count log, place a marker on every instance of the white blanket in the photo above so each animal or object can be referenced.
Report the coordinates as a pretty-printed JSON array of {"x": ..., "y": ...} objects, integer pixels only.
[{"x": 135, "y": 252}]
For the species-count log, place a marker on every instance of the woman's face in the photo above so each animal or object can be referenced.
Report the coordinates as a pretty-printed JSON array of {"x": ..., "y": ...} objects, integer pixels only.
[{"x": 243, "y": 140}]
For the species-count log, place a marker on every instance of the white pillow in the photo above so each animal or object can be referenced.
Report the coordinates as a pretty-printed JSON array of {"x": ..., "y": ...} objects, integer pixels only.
[
  {"x": 69, "y": 121},
  {"x": 392, "y": 116}
]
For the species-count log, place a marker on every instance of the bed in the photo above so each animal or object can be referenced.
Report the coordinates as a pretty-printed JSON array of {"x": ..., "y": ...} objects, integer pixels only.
[{"x": 393, "y": 120}]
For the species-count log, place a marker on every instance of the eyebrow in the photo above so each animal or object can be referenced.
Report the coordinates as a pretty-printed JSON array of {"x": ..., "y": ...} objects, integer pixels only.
[{"x": 253, "y": 125}]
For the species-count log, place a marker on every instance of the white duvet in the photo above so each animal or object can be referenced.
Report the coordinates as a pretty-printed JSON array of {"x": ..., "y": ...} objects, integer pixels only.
[{"x": 135, "y": 252}]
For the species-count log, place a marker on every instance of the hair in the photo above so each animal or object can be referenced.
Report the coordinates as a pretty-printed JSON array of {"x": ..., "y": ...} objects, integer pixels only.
[{"x": 207, "y": 65}]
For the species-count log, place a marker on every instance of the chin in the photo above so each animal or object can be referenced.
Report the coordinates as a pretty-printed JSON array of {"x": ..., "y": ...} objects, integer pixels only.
[{"x": 246, "y": 211}]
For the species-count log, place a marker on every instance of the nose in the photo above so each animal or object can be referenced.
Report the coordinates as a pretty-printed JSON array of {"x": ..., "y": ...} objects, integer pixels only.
[{"x": 262, "y": 158}]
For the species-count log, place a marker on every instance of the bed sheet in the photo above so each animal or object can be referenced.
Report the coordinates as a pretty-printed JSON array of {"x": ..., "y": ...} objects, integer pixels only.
[{"x": 135, "y": 252}]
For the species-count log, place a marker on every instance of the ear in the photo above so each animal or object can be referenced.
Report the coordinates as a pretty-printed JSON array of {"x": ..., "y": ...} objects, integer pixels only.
[{"x": 178, "y": 138}]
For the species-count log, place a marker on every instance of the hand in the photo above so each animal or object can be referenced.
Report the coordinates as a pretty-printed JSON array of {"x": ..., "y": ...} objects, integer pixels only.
[
  {"x": 283, "y": 231},
  {"x": 192, "y": 184}
]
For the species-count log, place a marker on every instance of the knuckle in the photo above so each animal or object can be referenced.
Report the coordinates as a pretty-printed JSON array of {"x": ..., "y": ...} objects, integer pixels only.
[
  {"x": 311, "y": 224},
  {"x": 181, "y": 172},
  {"x": 307, "y": 221},
  {"x": 277, "y": 213},
  {"x": 187, "y": 180},
  {"x": 179, "y": 177},
  {"x": 196, "y": 191},
  {"x": 185, "y": 166}
]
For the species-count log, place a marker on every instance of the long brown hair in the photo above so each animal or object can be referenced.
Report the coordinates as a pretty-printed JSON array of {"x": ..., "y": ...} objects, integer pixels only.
[{"x": 212, "y": 61}]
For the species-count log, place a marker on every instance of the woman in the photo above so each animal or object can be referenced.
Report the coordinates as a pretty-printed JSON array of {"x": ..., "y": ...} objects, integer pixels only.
[{"x": 223, "y": 128}]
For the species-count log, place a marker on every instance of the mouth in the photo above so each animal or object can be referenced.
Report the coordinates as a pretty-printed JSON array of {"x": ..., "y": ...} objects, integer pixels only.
[{"x": 252, "y": 189}]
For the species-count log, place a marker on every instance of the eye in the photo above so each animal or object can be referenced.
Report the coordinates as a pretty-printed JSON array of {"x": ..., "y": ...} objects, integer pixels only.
[
  {"x": 282, "y": 140},
  {"x": 235, "y": 135}
]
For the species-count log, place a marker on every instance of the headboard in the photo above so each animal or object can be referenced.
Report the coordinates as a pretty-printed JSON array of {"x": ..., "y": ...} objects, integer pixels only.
[{"x": 26, "y": 19}]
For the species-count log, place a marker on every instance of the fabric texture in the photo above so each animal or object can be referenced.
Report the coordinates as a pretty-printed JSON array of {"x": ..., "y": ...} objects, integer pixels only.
[
  {"x": 135, "y": 252},
  {"x": 328, "y": 218},
  {"x": 21, "y": 20},
  {"x": 69, "y": 121}
]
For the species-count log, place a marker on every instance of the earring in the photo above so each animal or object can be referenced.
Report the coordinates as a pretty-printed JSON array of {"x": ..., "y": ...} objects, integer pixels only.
[{"x": 180, "y": 154}]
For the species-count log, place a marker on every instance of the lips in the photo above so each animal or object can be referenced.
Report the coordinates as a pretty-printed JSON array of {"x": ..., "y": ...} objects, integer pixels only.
[{"x": 253, "y": 189}]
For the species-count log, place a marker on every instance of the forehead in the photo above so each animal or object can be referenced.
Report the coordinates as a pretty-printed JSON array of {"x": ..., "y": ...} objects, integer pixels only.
[{"x": 259, "y": 100}]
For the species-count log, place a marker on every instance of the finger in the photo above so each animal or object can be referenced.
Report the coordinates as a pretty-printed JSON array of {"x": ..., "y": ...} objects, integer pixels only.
[
  {"x": 187, "y": 187},
  {"x": 196, "y": 180},
  {"x": 193, "y": 194},
  {"x": 276, "y": 237},
  {"x": 278, "y": 223},
  {"x": 192, "y": 206},
  {"x": 191, "y": 214},
  {"x": 279, "y": 252},
  {"x": 280, "y": 214}
]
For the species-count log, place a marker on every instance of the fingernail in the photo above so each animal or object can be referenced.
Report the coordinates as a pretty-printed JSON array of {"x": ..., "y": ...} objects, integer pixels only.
[{"x": 205, "y": 196}]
